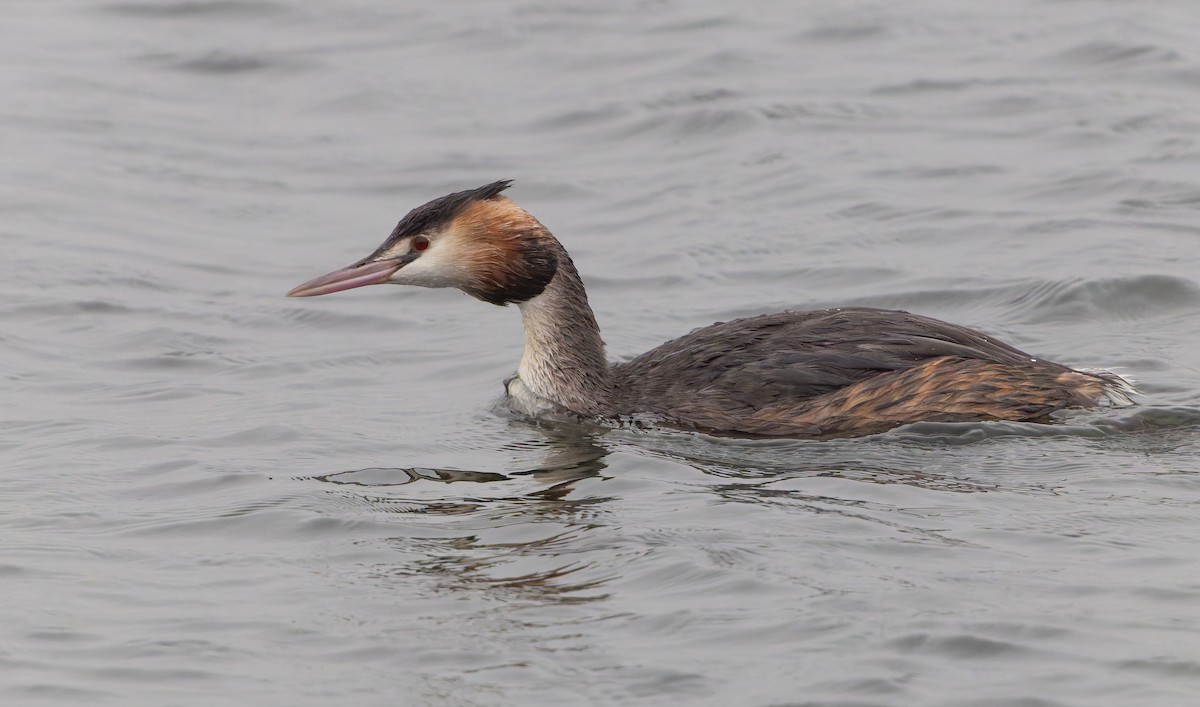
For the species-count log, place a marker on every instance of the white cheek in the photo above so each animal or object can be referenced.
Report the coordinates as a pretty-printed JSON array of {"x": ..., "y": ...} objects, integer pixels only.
[{"x": 432, "y": 269}]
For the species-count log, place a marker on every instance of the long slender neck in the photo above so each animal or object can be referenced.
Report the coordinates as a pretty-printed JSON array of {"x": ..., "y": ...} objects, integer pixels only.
[{"x": 564, "y": 355}]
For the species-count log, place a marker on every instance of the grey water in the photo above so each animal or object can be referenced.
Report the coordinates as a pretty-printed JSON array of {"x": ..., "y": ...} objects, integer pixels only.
[{"x": 211, "y": 494}]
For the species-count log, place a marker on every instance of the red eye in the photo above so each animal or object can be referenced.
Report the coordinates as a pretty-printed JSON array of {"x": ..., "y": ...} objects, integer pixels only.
[{"x": 420, "y": 243}]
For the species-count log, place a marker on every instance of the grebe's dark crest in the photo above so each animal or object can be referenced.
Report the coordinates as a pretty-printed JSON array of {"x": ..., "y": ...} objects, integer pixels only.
[{"x": 792, "y": 373}]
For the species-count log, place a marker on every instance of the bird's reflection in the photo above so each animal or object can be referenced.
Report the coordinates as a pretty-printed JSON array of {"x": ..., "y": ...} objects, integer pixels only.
[
  {"x": 521, "y": 532},
  {"x": 380, "y": 477},
  {"x": 570, "y": 453}
]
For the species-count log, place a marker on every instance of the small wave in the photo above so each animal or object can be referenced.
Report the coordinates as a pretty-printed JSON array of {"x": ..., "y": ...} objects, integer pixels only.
[
  {"x": 218, "y": 9},
  {"x": 1122, "y": 298},
  {"x": 959, "y": 646},
  {"x": 1165, "y": 667},
  {"x": 1080, "y": 424},
  {"x": 949, "y": 172},
  {"x": 707, "y": 122},
  {"x": 1134, "y": 297},
  {"x": 829, "y": 110},
  {"x": 325, "y": 319},
  {"x": 1104, "y": 53},
  {"x": 958, "y": 433},
  {"x": 834, "y": 32},
  {"x": 925, "y": 86},
  {"x": 579, "y": 119},
  {"x": 71, "y": 308},
  {"x": 676, "y": 99},
  {"x": 1144, "y": 419},
  {"x": 218, "y": 62}
]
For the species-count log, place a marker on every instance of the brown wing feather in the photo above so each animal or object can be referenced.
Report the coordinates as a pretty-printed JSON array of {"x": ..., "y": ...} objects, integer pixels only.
[
  {"x": 943, "y": 389},
  {"x": 842, "y": 370}
]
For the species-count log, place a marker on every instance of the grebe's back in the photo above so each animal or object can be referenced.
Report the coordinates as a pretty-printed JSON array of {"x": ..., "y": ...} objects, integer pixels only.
[{"x": 848, "y": 370}]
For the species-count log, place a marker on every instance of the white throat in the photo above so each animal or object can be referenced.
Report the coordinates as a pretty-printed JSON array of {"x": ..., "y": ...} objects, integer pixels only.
[
  {"x": 563, "y": 368},
  {"x": 534, "y": 386}
]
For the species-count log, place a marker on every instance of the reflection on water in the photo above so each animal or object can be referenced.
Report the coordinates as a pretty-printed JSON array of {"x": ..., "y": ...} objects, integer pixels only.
[
  {"x": 398, "y": 477},
  {"x": 522, "y": 537},
  {"x": 531, "y": 570},
  {"x": 570, "y": 453}
]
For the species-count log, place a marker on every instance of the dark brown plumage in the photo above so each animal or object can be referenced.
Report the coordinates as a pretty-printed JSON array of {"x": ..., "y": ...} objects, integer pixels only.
[
  {"x": 817, "y": 373},
  {"x": 839, "y": 371}
]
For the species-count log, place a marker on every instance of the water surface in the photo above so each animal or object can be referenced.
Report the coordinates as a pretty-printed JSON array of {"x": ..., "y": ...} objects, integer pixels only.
[{"x": 215, "y": 495}]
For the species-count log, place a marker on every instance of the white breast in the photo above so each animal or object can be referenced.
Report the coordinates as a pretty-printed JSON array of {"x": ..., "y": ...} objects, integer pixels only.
[{"x": 522, "y": 400}]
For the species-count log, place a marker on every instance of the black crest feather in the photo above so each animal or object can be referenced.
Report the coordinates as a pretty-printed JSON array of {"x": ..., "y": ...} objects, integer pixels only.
[{"x": 442, "y": 210}]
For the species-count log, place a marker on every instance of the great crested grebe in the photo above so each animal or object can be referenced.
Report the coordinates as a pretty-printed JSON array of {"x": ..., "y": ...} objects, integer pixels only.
[{"x": 827, "y": 372}]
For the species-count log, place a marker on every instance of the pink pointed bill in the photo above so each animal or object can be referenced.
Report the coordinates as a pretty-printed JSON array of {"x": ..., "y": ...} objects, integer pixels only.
[{"x": 370, "y": 273}]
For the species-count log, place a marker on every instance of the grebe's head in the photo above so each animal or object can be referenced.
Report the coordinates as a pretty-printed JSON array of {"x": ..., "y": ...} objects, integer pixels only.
[{"x": 477, "y": 240}]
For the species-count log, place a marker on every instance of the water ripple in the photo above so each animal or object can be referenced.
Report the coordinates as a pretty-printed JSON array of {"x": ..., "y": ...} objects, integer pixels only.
[
  {"x": 220, "y": 63},
  {"x": 1107, "y": 53},
  {"x": 215, "y": 9}
]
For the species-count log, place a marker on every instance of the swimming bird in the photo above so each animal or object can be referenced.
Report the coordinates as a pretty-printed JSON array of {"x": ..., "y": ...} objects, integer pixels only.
[{"x": 828, "y": 372}]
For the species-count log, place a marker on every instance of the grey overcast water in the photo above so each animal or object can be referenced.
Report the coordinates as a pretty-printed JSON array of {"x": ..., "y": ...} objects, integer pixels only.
[{"x": 214, "y": 495}]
